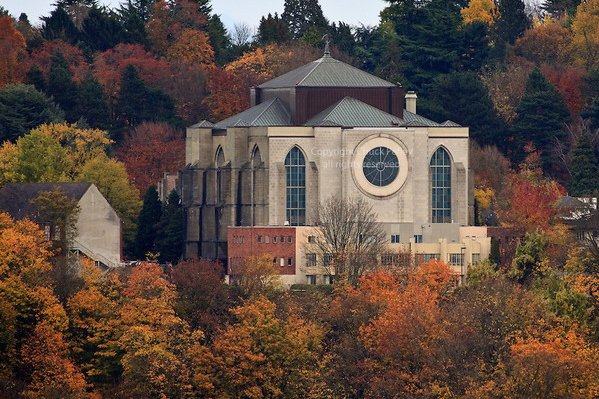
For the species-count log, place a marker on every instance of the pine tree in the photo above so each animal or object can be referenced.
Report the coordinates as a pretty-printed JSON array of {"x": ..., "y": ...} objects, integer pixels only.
[
  {"x": 540, "y": 119},
  {"x": 585, "y": 176},
  {"x": 23, "y": 108},
  {"x": 272, "y": 30},
  {"x": 463, "y": 98},
  {"x": 591, "y": 91},
  {"x": 35, "y": 76},
  {"x": 512, "y": 21},
  {"x": 169, "y": 231},
  {"x": 101, "y": 30},
  {"x": 558, "y": 8},
  {"x": 149, "y": 217},
  {"x": 93, "y": 103},
  {"x": 59, "y": 25},
  {"x": 62, "y": 87},
  {"x": 301, "y": 15}
]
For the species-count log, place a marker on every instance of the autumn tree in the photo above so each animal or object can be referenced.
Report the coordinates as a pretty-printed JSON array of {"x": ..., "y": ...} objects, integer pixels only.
[
  {"x": 149, "y": 151},
  {"x": 257, "y": 275},
  {"x": 545, "y": 44},
  {"x": 479, "y": 10},
  {"x": 263, "y": 355},
  {"x": 14, "y": 54},
  {"x": 348, "y": 238},
  {"x": 192, "y": 46},
  {"x": 585, "y": 30},
  {"x": 507, "y": 87}
]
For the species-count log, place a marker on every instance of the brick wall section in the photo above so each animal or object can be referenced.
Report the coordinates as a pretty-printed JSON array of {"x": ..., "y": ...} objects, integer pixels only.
[{"x": 243, "y": 242}]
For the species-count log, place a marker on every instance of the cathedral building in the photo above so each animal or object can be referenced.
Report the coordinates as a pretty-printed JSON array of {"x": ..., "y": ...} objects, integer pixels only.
[{"x": 325, "y": 129}]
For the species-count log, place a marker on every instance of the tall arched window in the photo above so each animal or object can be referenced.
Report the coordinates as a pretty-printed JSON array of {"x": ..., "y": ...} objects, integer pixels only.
[
  {"x": 219, "y": 162},
  {"x": 295, "y": 168},
  {"x": 440, "y": 170}
]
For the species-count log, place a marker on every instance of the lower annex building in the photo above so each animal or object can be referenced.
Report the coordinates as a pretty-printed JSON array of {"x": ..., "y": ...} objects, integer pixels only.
[{"x": 325, "y": 129}]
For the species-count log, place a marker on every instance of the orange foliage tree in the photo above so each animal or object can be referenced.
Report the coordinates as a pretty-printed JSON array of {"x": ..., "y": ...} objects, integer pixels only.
[
  {"x": 151, "y": 150},
  {"x": 263, "y": 355},
  {"x": 192, "y": 46},
  {"x": 568, "y": 82},
  {"x": 14, "y": 55},
  {"x": 549, "y": 44}
]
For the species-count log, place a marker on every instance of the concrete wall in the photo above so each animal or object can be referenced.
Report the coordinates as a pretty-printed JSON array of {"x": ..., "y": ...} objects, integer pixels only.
[{"x": 98, "y": 229}]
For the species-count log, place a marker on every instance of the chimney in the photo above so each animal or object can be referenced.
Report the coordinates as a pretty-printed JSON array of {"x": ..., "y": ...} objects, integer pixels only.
[{"x": 411, "y": 101}]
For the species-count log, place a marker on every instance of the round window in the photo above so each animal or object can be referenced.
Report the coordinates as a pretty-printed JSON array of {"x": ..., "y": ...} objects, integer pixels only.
[{"x": 380, "y": 166}]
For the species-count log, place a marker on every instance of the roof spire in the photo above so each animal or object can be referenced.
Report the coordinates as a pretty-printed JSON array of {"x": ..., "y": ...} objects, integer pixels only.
[{"x": 327, "y": 40}]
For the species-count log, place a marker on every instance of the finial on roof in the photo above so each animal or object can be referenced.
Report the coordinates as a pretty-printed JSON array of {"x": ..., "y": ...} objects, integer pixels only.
[{"x": 327, "y": 40}]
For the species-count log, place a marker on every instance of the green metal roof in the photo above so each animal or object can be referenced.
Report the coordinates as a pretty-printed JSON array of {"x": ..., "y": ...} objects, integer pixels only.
[
  {"x": 269, "y": 113},
  {"x": 326, "y": 72},
  {"x": 352, "y": 112}
]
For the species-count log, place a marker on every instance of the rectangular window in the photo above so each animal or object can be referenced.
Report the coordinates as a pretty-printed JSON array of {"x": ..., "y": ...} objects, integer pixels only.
[
  {"x": 425, "y": 258},
  {"x": 475, "y": 259},
  {"x": 310, "y": 259},
  {"x": 311, "y": 239},
  {"x": 311, "y": 279},
  {"x": 456, "y": 259},
  {"x": 282, "y": 262},
  {"x": 327, "y": 259},
  {"x": 267, "y": 239},
  {"x": 282, "y": 240},
  {"x": 395, "y": 238},
  {"x": 274, "y": 239},
  {"x": 387, "y": 259},
  {"x": 259, "y": 238},
  {"x": 289, "y": 261},
  {"x": 418, "y": 239},
  {"x": 289, "y": 239}
]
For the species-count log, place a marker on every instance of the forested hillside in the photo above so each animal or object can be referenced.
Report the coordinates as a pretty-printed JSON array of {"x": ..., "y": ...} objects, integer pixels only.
[{"x": 103, "y": 95}]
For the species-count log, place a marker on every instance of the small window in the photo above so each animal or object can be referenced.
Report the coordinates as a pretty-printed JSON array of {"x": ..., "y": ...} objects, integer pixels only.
[
  {"x": 311, "y": 279},
  {"x": 418, "y": 239},
  {"x": 311, "y": 239},
  {"x": 327, "y": 259},
  {"x": 395, "y": 238},
  {"x": 328, "y": 279},
  {"x": 259, "y": 238},
  {"x": 475, "y": 259},
  {"x": 282, "y": 241},
  {"x": 310, "y": 259},
  {"x": 266, "y": 239},
  {"x": 289, "y": 239},
  {"x": 456, "y": 259},
  {"x": 274, "y": 239},
  {"x": 282, "y": 262},
  {"x": 289, "y": 261},
  {"x": 274, "y": 260}
]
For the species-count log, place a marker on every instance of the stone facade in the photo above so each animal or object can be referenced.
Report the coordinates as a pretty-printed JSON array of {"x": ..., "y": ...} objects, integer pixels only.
[{"x": 236, "y": 173}]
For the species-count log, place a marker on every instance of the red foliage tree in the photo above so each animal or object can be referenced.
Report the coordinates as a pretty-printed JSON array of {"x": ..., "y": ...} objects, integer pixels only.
[
  {"x": 568, "y": 81},
  {"x": 149, "y": 151},
  {"x": 42, "y": 58},
  {"x": 228, "y": 94},
  {"x": 14, "y": 55}
]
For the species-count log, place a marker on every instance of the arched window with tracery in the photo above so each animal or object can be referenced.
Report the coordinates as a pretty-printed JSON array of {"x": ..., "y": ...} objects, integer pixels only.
[
  {"x": 440, "y": 172},
  {"x": 219, "y": 162},
  {"x": 295, "y": 190}
]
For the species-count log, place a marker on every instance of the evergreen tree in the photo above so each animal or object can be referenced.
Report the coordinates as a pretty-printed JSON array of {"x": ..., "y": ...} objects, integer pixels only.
[
  {"x": 59, "y": 25},
  {"x": 149, "y": 217},
  {"x": 138, "y": 103},
  {"x": 35, "y": 77},
  {"x": 540, "y": 119},
  {"x": 101, "y": 30},
  {"x": 512, "y": 21},
  {"x": 62, "y": 87},
  {"x": 302, "y": 15},
  {"x": 429, "y": 38},
  {"x": 591, "y": 91},
  {"x": 463, "y": 98},
  {"x": 23, "y": 108},
  {"x": 343, "y": 38},
  {"x": 169, "y": 231},
  {"x": 272, "y": 30},
  {"x": 585, "y": 176},
  {"x": 134, "y": 27},
  {"x": 219, "y": 40},
  {"x": 558, "y": 8},
  {"x": 93, "y": 103}
]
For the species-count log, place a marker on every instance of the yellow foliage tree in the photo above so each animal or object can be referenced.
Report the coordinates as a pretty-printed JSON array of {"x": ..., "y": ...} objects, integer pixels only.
[
  {"x": 480, "y": 10},
  {"x": 585, "y": 29}
]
